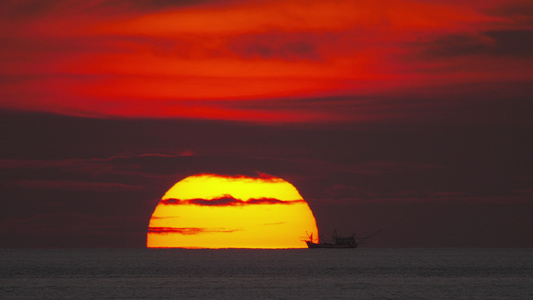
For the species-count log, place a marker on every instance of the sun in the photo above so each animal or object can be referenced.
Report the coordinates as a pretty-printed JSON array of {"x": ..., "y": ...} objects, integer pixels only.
[{"x": 215, "y": 211}]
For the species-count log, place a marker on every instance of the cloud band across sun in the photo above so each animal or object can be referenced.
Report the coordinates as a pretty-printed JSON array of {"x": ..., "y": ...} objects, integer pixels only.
[
  {"x": 213, "y": 211},
  {"x": 227, "y": 200},
  {"x": 185, "y": 230}
]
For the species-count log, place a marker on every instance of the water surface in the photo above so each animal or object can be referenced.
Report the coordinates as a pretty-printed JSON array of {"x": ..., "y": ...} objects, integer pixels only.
[{"x": 267, "y": 274}]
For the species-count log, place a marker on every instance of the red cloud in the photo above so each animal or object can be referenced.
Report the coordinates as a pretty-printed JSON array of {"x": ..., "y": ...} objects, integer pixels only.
[{"x": 148, "y": 60}]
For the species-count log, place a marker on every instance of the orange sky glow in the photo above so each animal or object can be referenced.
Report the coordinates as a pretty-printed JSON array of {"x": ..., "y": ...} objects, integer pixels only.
[{"x": 241, "y": 60}]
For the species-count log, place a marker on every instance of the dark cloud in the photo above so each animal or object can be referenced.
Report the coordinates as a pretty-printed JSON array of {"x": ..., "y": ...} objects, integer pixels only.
[
  {"x": 456, "y": 44},
  {"x": 519, "y": 11},
  {"x": 226, "y": 201},
  {"x": 25, "y": 9},
  {"x": 188, "y": 230},
  {"x": 512, "y": 43},
  {"x": 382, "y": 167},
  {"x": 29, "y": 9},
  {"x": 151, "y": 5},
  {"x": 70, "y": 185},
  {"x": 272, "y": 201},
  {"x": 223, "y": 201},
  {"x": 397, "y": 176},
  {"x": 445, "y": 103},
  {"x": 352, "y": 196}
]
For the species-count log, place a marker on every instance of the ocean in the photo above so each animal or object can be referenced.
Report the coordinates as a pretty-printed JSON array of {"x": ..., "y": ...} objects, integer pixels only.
[{"x": 363, "y": 273}]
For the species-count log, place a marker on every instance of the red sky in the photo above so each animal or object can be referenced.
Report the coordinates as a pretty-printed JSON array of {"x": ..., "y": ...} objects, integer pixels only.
[
  {"x": 244, "y": 60},
  {"x": 412, "y": 116}
]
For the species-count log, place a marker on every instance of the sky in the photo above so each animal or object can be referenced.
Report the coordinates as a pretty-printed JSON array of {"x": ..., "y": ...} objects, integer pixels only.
[{"x": 411, "y": 116}]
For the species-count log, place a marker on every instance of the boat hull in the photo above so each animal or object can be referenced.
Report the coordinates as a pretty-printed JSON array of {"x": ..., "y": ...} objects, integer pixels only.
[{"x": 312, "y": 245}]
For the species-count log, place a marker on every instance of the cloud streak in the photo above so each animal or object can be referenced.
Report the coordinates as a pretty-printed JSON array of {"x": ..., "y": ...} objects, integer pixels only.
[
  {"x": 228, "y": 200},
  {"x": 188, "y": 230},
  {"x": 71, "y": 185}
]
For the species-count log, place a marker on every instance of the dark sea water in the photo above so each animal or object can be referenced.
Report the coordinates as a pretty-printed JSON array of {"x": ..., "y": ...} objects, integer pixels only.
[{"x": 267, "y": 274}]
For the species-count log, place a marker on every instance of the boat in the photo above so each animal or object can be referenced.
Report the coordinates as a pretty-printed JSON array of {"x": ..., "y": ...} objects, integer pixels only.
[{"x": 338, "y": 242}]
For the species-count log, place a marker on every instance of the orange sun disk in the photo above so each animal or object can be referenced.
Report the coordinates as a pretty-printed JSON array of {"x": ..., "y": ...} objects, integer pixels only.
[{"x": 214, "y": 211}]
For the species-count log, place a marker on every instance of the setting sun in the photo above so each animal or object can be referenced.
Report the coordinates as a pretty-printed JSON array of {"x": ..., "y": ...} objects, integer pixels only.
[{"x": 214, "y": 211}]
